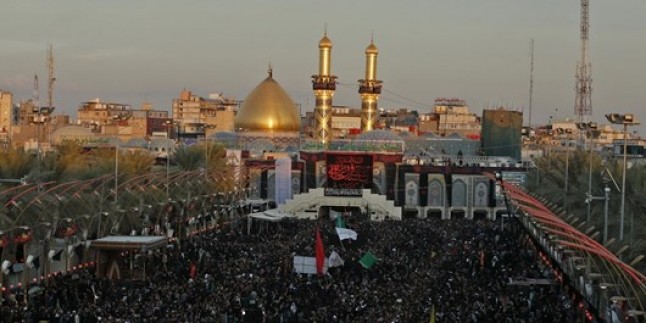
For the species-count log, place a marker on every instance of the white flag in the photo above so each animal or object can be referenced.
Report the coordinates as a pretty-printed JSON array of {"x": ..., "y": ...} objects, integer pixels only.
[
  {"x": 335, "y": 260},
  {"x": 334, "y": 215},
  {"x": 345, "y": 233},
  {"x": 307, "y": 265}
]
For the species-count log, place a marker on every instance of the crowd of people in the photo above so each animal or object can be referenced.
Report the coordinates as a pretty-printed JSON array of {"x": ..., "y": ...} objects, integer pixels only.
[{"x": 455, "y": 270}]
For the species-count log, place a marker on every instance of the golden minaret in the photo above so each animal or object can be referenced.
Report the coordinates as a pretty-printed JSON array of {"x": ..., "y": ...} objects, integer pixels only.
[
  {"x": 324, "y": 85},
  {"x": 370, "y": 88}
]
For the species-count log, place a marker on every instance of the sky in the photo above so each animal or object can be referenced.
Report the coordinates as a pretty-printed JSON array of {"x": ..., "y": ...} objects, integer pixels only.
[{"x": 149, "y": 50}]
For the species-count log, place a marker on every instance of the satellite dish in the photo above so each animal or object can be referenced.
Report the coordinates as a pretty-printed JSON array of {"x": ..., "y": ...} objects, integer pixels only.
[
  {"x": 133, "y": 232},
  {"x": 51, "y": 254}
]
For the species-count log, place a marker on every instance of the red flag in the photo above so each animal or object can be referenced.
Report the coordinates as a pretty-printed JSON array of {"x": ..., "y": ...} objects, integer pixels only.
[
  {"x": 320, "y": 253},
  {"x": 193, "y": 270}
]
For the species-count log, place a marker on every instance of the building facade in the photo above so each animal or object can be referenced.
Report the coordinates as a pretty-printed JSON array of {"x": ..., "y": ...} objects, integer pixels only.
[
  {"x": 198, "y": 117},
  {"x": 6, "y": 116},
  {"x": 502, "y": 133},
  {"x": 451, "y": 115},
  {"x": 96, "y": 114}
]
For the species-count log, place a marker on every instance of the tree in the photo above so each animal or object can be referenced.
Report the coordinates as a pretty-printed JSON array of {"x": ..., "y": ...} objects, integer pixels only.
[
  {"x": 188, "y": 157},
  {"x": 15, "y": 163}
]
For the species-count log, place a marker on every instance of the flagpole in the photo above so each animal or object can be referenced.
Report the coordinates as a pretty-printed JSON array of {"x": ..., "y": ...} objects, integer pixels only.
[{"x": 340, "y": 240}]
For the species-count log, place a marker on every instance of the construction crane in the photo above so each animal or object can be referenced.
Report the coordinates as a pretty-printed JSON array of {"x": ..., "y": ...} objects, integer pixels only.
[{"x": 583, "y": 101}]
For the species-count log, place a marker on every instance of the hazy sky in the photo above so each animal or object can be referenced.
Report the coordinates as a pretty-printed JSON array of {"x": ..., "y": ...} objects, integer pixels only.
[{"x": 135, "y": 51}]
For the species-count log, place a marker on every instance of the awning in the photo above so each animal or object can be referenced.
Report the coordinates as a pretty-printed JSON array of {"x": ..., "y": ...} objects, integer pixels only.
[
  {"x": 270, "y": 215},
  {"x": 142, "y": 243}
]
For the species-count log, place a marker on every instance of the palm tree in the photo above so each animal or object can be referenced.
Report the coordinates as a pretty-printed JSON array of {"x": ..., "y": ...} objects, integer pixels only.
[
  {"x": 15, "y": 163},
  {"x": 136, "y": 162},
  {"x": 188, "y": 157},
  {"x": 219, "y": 168},
  {"x": 73, "y": 162}
]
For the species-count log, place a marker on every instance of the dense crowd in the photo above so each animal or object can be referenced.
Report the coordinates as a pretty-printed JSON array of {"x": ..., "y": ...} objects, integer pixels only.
[{"x": 458, "y": 270}]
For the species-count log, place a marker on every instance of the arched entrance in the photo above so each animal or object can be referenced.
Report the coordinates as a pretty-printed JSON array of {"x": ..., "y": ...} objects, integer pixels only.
[
  {"x": 458, "y": 215},
  {"x": 434, "y": 214},
  {"x": 411, "y": 213},
  {"x": 480, "y": 215}
]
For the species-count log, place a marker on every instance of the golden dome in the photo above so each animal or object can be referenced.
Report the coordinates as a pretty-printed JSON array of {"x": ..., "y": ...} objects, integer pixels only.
[
  {"x": 372, "y": 49},
  {"x": 325, "y": 42},
  {"x": 268, "y": 108}
]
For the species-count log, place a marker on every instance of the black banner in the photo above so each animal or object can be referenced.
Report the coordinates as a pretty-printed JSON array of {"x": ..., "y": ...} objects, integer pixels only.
[{"x": 348, "y": 174}]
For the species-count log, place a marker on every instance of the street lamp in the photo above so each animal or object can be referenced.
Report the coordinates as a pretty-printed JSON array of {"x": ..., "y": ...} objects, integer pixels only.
[
  {"x": 626, "y": 119},
  {"x": 169, "y": 125},
  {"x": 567, "y": 132},
  {"x": 606, "y": 199},
  {"x": 588, "y": 127},
  {"x": 39, "y": 118}
]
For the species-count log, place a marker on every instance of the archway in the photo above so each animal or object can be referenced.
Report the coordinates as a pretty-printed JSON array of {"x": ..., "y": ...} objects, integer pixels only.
[
  {"x": 480, "y": 215},
  {"x": 434, "y": 214},
  {"x": 411, "y": 213},
  {"x": 458, "y": 215}
]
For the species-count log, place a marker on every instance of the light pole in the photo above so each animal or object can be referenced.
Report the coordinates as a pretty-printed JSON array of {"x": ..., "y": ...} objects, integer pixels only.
[
  {"x": 568, "y": 132},
  {"x": 626, "y": 120},
  {"x": 116, "y": 174},
  {"x": 606, "y": 199},
  {"x": 39, "y": 119},
  {"x": 169, "y": 124},
  {"x": 588, "y": 127}
]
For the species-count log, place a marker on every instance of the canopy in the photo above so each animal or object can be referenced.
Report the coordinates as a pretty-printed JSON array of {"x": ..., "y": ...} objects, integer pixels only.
[
  {"x": 124, "y": 243},
  {"x": 270, "y": 215}
]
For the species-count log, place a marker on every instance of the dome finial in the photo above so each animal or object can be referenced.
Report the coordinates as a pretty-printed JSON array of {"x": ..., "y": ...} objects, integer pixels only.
[
  {"x": 325, "y": 29},
  {"x": 372, "y": 37},
  {"x": 270, "y": 70}
]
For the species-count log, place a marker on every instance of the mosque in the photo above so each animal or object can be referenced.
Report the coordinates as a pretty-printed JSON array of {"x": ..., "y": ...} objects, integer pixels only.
[{"x": 378, "y": 172}]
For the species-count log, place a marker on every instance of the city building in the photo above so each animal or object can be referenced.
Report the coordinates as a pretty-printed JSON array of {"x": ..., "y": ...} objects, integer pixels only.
[
  {"x": 121, "y": 121},
  {"x": 451, "y": 115},
  {"x": 6, "y": 115},
  {"x": 95, "y": 114},
  {"x": 346, "y": 122},
  {"x": 502, "y": 133},
  {"x": 400, "y": 120},
  {"x": 198, "y": 117}
]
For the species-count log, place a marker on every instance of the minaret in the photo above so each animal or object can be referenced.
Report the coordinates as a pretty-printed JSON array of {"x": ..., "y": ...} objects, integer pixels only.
[
  {"x": 324, "y": 85},
  {"x": 370, "y": 88}
]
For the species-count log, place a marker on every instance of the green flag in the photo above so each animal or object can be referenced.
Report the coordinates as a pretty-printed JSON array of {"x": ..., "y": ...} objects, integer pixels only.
[
  {"x": 368, "y": 260},
  {"x": 339, "y": 222}
]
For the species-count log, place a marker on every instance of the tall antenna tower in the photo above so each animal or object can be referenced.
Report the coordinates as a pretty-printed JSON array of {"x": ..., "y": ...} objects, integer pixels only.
[
  {"x": 583, "y": 101},
  {"x": 51, "y": 79},
  {"x": 34, "y": 97},
  {"x": 531, "y": 81}
]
